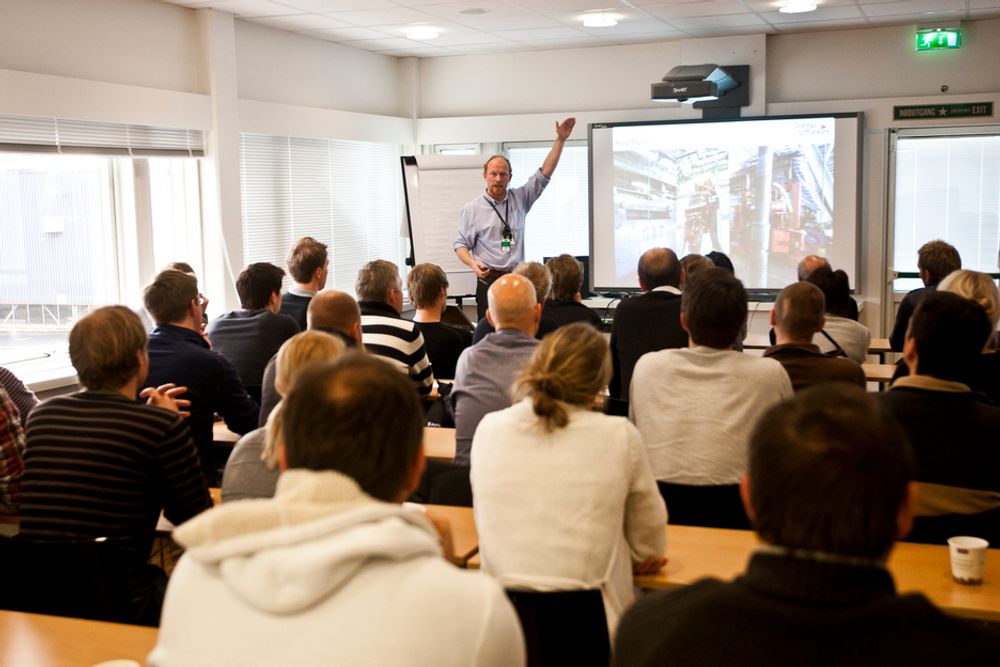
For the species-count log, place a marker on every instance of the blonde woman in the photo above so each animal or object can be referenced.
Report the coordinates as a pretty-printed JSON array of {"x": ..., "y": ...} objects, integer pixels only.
[
  {"x": 564, "y": 497},
  {"x": 981, "y": 288},
  {"x": 252, "y": 469}
]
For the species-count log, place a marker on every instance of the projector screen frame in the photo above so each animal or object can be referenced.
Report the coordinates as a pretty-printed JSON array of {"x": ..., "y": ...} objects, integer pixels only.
[{"x": 853, "y": 266}]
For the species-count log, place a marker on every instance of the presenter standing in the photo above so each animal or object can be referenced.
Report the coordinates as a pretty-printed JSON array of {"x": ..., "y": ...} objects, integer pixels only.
[{"x": 491, "y": 227}]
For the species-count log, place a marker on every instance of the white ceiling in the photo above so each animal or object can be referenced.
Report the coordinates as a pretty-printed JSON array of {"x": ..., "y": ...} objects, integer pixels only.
[{"x": 523, "y": 25}]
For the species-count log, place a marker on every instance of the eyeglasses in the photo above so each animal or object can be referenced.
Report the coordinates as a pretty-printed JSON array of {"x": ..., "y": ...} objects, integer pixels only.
[{"x": 201, "y": 300}]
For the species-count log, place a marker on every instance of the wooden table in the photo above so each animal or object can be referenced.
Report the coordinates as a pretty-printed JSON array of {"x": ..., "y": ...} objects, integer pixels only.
[
  {"x": 439, "y": 443},
  {"x": 464, "y": 537},
  {"x": 221, "y": 435},
  {"x": 695, "y": 553},
  {"x": 34, "y": 640},
  {"x": 878, "y": 346},
  {"x": 881, "y": 373}
]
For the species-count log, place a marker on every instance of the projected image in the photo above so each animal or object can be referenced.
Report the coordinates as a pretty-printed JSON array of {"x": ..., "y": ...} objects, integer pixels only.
[{"x": 760, "y": 192}]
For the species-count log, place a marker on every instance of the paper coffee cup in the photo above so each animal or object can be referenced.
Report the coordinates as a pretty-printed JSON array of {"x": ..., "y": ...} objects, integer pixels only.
[{"x": 968, "y": 559}]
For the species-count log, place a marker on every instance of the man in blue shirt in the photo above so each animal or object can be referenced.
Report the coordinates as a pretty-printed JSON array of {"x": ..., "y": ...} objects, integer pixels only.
[
  {"x": 179, "y": 354},
  {"x": 491, "y": 227}
]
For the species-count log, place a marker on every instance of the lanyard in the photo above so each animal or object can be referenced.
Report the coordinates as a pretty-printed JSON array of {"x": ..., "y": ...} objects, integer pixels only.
[{"x": 507, "y": 234}]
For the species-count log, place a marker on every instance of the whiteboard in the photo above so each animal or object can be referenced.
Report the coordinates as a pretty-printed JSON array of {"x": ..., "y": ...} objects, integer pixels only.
[{"x": 436, "y": 187}]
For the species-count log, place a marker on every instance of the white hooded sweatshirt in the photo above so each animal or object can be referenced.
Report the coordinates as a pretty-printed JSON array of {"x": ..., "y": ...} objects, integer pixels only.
[{"x": 323, "y": 574}]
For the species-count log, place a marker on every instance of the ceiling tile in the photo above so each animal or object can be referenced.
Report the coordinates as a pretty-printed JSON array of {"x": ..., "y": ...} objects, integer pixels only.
[
  {"x": 843, "y": 13},
  {"x": 719, "y": 22},
  {"x": 698, "y": 9},
  {"x": 253, "y": 8},
  {"x": 502, "y": 23},
  {"x": 462, "y": 39},
  {"x": 544, "y": 44},
  {"x": 300, "y": 22},
  {"x": 326, "y": 6},
  {"x": 419, "y": 52},
  {"x": 630, "y": 28},
  {"x": 453, "y": 10},
  {"x": 534, "y": 34},
  {"x": 387, "y": 16},
  {"x": 913, "y": 8},
  {"x": 443, "y": 27},
  {"x": 347, "y": 34},
  {"x": 788, "y": 28},
  {"x": 577, "y": 6}
]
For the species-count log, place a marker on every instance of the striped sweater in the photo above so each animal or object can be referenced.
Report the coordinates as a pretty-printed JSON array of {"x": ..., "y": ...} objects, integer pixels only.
[{"x": 398, "y": 341}]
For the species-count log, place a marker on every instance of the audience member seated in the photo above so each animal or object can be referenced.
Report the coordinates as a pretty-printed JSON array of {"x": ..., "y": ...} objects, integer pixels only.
[
  {"x": 23, "y": 398},
  {"x": 309, "y": 266},
  {"x": 330, "y": 311},
  {"x": 428, "y": 287},
  {"x": 648, "y": 322},
  {"x": 806, "y": 267},
  {"x": 935, "y": 260},
  {"x": 178, "y": 354},
  {"x": 840, "y": 333},
  {"x": 249, "y": 337},
  {"x": 985, "y": 375},
  {"x": 954, "y": 431},
  {"x": 384, "y": 332},
  {"x": 563, "y": 305},
  {"x": 574, "y": 483},
  {"x": 99, "y": 464},
  {"x": 691, "y": 264},
  {"x": 486, "y": 371},
  {"x": 694, "y": 406},
  {"x": 332, "y": 570},
  {"x": 11, "y": 454},
  {"x": 541, "y": 279},
  {"x": 796, "y": 317},
  {"x": 828, "y": 493},
  {"x": 721, "y": 261},
  {"x": 252, "y": 468}
]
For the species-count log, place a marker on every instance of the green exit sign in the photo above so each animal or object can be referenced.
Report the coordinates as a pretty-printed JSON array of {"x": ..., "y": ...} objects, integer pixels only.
[{"x": 936, "y": 40}]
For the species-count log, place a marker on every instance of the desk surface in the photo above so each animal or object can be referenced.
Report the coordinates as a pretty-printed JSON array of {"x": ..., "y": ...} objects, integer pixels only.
[
  {"x": 881, "y": 373},
  {"x": 439, "y": 443},
  {"x": 762, "y": 342},
  {"x": 695, "y": 553},
  {"x": 34, "y": 640}
]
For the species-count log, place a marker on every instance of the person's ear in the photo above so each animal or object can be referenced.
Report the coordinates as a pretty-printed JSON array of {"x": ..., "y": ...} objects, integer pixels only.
[
  {"x": 684, "y": 323},
  {"x": 745, "y": 495},
  {"x": 538, "y": 312},
  {"x": 282, "y": 458},
  {"x": 774, "y": 317},
  {"x": 904, "y": 519},
  {"x": 910, "y": 356},
  {"x": 822, "y": 323}
]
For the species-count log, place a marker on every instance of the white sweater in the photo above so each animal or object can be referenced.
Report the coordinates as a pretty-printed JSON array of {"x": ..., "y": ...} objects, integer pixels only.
[
  {"x": 696, "y": 407},
  {"x": 322, "y": 574},
  {"x": 566, "y": 510},
  {"x": 853, "y": 337}
]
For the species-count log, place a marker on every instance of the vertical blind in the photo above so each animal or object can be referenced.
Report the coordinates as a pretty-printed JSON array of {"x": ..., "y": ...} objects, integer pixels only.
[
  {"x": 343, "y": 193},
  {"x": 947, "y": 187},
  {"x": 559, "y": 221}
]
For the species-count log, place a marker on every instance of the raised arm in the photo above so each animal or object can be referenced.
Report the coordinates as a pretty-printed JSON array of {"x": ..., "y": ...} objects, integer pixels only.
[{"x": 563, "y": 130}]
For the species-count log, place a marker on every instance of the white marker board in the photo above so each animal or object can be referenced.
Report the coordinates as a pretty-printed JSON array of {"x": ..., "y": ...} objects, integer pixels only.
[{"x": 436, "y": 187}]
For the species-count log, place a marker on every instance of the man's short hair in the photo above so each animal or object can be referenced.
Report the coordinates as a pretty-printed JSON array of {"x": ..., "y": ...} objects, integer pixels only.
[
  {"x": 938, "y": 259},
  {"x": 486, "y": 164},
  {"x": 714, "y": 304},
  {"x": 332, "y": 309},
  {"x": 169, "y": 296},
  {"x": 950, "y": 332},
  {"x": 376, "y": 280},
  {"x": 305, "y": 257},
  {"x": 658, "y": 267},
  {"x": 567, "y": 277},
  {"x": 721, "y": 261},
  {"x": 356, "y": 415},
  {"x": 179, "y": 266},
  {"x": 836, "y": 289},
  {"x": 810, "y": 263},
  {"x": 799, "y": 310},
  {"x": 539, "y": 276},
  {"x": 257, "y": 283},
  {"x": 425, "y": 283},
  {"x": 829, "y": 473},
  {"x": 104, "y": 347},
  {"x": 692, "y": 263}
]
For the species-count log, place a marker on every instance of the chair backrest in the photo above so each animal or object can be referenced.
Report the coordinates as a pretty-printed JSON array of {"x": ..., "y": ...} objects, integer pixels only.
[
  {"x": 563, "y": 627},
  {"x": 80, "y": 578}
]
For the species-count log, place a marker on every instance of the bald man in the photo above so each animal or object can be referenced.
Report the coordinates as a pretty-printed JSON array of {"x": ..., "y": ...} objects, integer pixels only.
[
  {"x": 809, "y": 264},
  {"x": 336, "y": 313},
  {"x": 541, "y": 279},
  {"x": 797, "y": 316},
  {"x": 486, "y": 371},
  {"x": 649, "y": 322}
]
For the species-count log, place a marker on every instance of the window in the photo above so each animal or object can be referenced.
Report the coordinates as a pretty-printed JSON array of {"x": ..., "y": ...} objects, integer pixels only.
[
  {"x": 344, "y": 193},
  {"x": 456, "y": 149},
  {"x": 559, "y": 222},
  {"x": 946, "y": 186}
]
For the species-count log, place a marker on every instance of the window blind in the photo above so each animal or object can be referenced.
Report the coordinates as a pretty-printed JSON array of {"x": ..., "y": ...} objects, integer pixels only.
[
  {"x": 55, "y": 135},
  {"x": 343, "y": 193},
  {"x": 559, "y": 221}
]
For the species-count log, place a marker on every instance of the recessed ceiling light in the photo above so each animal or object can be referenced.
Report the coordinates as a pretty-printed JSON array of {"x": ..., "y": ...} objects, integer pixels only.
[
  {"x": 422, "y": 32},
  {"x": 474, "y": 11},
  {"x": 600, "y": 19},
  {"x": 797, "y": 6}
]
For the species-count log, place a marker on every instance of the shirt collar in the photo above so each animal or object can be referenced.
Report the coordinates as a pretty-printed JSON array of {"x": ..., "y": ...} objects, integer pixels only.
[
  {"x": 930, "y": 383},
  {"x": 301, "y": 291},
  {"x": 666, "y": 288}
]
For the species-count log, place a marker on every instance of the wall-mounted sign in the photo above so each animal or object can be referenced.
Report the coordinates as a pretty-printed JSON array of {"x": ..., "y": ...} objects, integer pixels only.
[
  {"x": 931, "y": 111},
  {"x": 939, "y": 39}
]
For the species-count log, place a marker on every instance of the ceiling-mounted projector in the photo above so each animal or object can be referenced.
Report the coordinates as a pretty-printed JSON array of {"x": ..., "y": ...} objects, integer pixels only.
[{"x": 693, "y": 83}]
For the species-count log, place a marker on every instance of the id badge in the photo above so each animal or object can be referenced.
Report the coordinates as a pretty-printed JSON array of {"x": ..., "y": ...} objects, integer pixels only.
[{"x": 505, "y": 246}]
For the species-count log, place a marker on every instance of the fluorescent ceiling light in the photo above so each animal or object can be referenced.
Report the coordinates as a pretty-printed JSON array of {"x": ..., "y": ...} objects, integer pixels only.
[
  {"x": 422, "y": 32},
  {"x": 797, "y": 7},
  {"x": 599, "y": 19}
]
